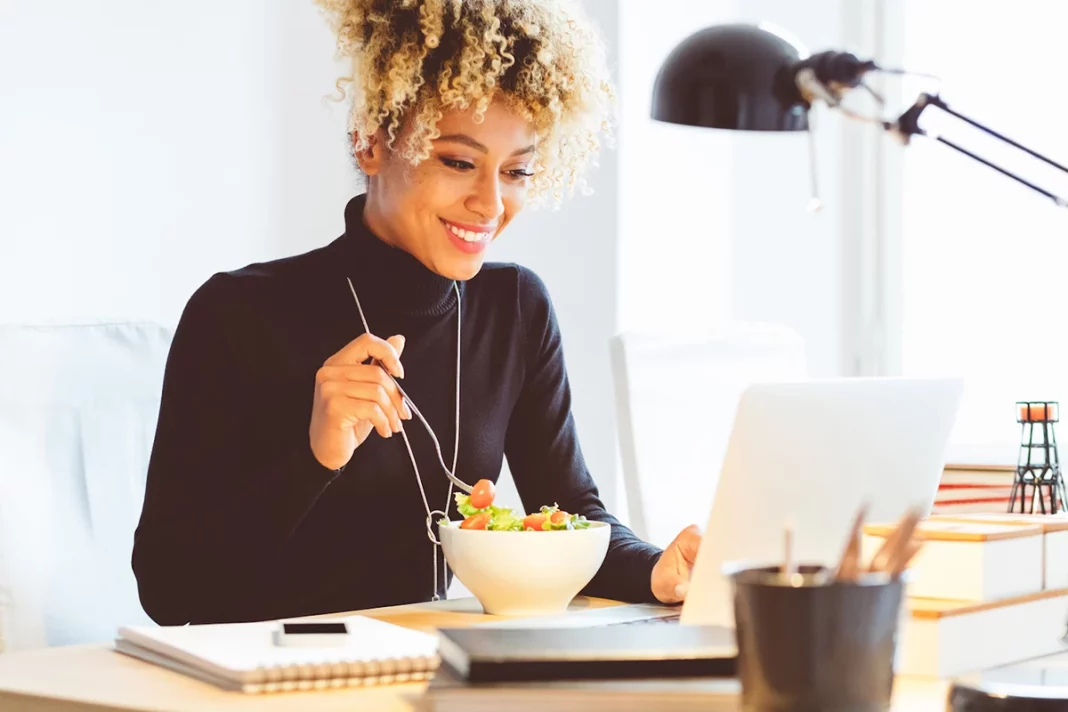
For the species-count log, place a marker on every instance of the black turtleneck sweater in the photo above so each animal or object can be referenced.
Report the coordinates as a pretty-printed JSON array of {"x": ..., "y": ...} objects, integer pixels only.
[{"x": 241, "y": 522}]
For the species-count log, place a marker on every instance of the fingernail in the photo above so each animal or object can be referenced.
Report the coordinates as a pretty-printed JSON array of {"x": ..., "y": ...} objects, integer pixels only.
[
  {"x": 407, "y": 412},
  {"x": 681, "y": 590}
]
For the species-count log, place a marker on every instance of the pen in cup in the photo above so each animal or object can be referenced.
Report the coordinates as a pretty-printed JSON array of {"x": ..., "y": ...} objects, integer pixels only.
[
  {"x": 898, "y": 548},
  {"x": 893, "y": 548},
  {"x": 789, "y": 562},
  {"x": 849, "y": 566}
]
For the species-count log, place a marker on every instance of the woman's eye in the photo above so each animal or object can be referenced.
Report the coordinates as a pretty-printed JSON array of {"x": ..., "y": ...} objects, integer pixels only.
[
  {"x": 457, "y": 165},
  {"x": 517, "y": 174}
]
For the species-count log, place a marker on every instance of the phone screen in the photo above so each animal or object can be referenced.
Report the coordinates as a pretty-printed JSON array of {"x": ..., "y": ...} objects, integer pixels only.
[{"x": 314, "y": 628}]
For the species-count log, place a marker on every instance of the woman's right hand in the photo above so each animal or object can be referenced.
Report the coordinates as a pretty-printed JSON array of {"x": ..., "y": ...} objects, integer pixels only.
[{"x": 353, "y": 398}]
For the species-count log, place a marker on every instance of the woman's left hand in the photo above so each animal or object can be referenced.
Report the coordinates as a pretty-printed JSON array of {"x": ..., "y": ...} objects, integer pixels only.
[{"x": 671, "y": 574}]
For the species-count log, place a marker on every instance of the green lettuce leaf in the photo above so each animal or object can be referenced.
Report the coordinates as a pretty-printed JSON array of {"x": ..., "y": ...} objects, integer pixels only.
[
  {"x": 463, "y": 505},
  {"x": 505, "y": 521},
  {"x": 577, "y": 521},
  {"x": 572, "y": 521}
]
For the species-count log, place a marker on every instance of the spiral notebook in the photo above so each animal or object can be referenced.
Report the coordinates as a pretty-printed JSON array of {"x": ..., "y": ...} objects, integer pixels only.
[{"x": 243, "y": 656}]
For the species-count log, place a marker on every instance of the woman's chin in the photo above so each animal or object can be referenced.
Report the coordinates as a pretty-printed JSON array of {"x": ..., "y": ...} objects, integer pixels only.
[
  {"x": 460, "y": 269},
  {"x": 466, "y": 273}
]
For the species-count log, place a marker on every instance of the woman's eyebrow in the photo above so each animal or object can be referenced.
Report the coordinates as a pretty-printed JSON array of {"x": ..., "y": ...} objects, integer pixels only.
[{"x": 472, "y": 143}]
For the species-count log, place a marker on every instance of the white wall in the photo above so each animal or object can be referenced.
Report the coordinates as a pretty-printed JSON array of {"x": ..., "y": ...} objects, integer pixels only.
[
  {"x": 148, "y": 145},
  {"x": 674, "y": 182},
  {"x": 713, "y": 224},
  {"x": 968, "y": 237},
  {"x": 786, "y": 261}
]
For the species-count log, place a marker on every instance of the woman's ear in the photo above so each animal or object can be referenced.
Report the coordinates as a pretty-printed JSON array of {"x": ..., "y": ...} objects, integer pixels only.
[{"x": 371, "y": 158}]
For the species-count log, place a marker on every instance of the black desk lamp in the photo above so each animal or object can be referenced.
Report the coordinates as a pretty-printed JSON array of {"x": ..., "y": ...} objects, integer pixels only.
[{"x": 749, "y": 78}]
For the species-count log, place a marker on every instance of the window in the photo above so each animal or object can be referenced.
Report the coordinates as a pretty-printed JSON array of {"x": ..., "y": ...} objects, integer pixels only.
[{"x": 981, "y": 289}]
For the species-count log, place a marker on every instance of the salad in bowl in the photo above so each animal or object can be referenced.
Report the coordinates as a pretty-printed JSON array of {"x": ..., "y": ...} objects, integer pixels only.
[
  {"x": 512, "y": 571},
  {"x": 480, "y": 513}
]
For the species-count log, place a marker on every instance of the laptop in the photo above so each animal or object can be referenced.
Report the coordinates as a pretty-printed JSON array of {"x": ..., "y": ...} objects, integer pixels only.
[{"x": 805, "y": 455}]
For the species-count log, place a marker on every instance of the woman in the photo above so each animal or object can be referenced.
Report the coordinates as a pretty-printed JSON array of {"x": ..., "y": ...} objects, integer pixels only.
[{"x": 277, "y": 485}]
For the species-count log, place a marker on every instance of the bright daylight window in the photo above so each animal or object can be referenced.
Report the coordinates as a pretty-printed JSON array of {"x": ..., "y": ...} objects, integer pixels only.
[{"x": 984, "y": 259}]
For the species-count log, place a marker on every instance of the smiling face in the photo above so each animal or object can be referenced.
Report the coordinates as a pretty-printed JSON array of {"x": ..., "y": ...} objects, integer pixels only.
[{"x": 446, "y": 209}]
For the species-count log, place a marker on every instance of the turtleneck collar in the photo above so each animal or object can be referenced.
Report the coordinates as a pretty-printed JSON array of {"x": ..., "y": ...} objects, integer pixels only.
[{"x": 388, "y": 277}]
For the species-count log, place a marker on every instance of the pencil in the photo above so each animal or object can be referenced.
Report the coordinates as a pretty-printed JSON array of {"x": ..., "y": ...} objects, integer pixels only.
[
  {"x": 849, "y": 564},
  {"x": 896, "y": 542},
  {"x": 789, "y": 566}
]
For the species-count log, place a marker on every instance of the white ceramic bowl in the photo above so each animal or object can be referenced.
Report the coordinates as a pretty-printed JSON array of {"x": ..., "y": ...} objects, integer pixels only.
[{"x": 525, "y": 573}]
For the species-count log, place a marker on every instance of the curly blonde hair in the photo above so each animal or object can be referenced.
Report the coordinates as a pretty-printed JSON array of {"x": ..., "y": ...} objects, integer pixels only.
[{"x": 414, "y": 59}]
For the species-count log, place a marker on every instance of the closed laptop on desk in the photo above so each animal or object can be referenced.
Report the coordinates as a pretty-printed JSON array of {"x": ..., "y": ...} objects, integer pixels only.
[
  {"x": 484, "y": 654},
  {"x": 447, "y": 693}
]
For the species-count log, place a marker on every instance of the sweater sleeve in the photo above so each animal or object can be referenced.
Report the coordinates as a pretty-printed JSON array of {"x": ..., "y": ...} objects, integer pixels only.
[
  {"x": 545, "y": 458},
  {"x": 220, "y": 498}
]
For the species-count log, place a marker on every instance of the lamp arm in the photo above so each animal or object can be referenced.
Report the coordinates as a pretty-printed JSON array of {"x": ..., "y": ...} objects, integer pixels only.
[{"x": 908, "y": 125}]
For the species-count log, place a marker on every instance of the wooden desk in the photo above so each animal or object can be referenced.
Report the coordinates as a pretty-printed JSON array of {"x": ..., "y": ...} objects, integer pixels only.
[{"x": 95, "y": 678}]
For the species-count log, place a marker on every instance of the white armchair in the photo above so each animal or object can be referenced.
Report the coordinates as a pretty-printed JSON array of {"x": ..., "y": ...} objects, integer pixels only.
[
  {"x": 78, "y": 409},
  {"x": 676, "y": 397}
]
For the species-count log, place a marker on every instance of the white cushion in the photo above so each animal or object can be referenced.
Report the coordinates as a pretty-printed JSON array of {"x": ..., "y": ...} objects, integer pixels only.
[{"x": 78, "y": 409}]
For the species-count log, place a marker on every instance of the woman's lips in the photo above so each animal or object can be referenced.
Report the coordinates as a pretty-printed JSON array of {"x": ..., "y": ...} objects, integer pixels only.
[{"x": 468, "y": 238}]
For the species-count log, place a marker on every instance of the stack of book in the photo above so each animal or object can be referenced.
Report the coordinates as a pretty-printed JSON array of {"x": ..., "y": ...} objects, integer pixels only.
[
  {"x": 964, "y": 490},
  {"x": 985, "y": 590},
  {"x": 609, "y": 668}
]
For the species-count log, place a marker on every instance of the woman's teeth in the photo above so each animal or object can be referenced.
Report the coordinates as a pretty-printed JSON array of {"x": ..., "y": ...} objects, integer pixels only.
[{"x": 467, "y": 235}]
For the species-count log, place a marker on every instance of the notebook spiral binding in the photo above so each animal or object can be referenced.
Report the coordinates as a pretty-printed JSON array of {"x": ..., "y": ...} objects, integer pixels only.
[{"x": 339, "y": 673}]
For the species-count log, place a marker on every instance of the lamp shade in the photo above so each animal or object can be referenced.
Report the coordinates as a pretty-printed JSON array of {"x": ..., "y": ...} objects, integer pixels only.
[{"x": 734, "y": 76}]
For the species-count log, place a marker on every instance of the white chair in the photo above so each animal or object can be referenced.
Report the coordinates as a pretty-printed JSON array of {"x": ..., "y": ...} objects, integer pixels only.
[
  {"x": 78, "y": 409},
  {"x": 676, "y": 398}
]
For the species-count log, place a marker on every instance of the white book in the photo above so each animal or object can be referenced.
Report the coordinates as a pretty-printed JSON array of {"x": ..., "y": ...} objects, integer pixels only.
[
  {"x": 968, "y": 560},
  {"x": 947, "y": 638},
  {"x": 1054, "y": 540},
  {"x": 244, "y": 656}
]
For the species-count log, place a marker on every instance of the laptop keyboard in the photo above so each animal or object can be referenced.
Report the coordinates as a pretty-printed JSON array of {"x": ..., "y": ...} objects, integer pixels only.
[{"x": 647, "y": 621}]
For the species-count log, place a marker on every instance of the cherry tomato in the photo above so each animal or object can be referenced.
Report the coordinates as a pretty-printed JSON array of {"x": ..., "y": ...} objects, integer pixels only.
[
  {"x": 559, "y": 517},
  {"x": 482, "y": 495},
  {"x": 534, "y": 521},
  {"x": 476, "y": 521}
]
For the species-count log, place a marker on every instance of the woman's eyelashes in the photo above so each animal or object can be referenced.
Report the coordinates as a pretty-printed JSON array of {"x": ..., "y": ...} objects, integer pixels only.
[
  {"x": 458, "y": 165},
  {"x": 461, "y": 166}
]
